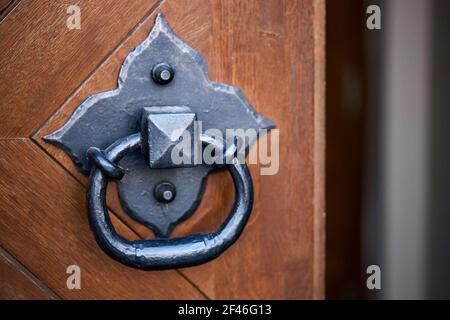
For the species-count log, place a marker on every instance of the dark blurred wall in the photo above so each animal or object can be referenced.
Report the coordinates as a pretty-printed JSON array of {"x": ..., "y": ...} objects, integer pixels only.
[
  {"x": 388, "y": 149},
  {"x": 407, "y": 194},
  {"x": 397, "y": 190},
  {"x": 372, "y": 222},
  {"x": 406, "y": 211},
  {"x": 439, "y": 213},
  {"x": 345, "y": 137}
]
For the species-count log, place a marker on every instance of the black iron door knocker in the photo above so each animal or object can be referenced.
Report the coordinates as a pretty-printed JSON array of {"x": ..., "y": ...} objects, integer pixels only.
[{"x": 131, "y": 135}]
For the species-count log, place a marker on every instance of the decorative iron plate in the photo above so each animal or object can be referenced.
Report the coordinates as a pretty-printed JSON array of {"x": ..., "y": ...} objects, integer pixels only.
[{"x": 108, "y": 116}]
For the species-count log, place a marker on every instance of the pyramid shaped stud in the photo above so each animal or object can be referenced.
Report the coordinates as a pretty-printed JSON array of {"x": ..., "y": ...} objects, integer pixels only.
[{"x": 169, "y": 137}]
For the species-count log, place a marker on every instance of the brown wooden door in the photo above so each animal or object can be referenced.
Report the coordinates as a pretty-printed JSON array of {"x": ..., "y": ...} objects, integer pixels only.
[{"x": 271, "y": 49}]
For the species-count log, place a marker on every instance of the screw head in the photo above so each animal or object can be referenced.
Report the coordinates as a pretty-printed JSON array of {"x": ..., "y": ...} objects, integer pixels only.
[
  {"x": 164, "y": 192},
  {"x": 162, "y": 73}
]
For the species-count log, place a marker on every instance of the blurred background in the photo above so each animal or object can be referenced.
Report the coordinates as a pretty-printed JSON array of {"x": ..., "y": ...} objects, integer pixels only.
[{"x": 388, "y": 149}]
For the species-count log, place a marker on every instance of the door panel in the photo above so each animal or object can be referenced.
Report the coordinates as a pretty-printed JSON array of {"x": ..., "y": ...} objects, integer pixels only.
[{"x": 272, "y": 50}]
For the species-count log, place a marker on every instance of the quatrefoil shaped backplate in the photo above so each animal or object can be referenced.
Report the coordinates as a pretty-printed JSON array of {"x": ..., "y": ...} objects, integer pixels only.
[{"x": 108, "y": 116}]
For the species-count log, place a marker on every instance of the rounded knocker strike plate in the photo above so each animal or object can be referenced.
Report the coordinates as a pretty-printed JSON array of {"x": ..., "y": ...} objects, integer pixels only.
[{"x": 159, "y": 134}]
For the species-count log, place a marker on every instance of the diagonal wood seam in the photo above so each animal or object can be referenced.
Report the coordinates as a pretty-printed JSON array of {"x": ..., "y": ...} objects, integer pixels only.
[
  {"x": 8, "y": 9},
  {"x": 11, "y": 173},
  {"x": 31, "y": 277},
  {"x": 74, "y": 92},
  {"x": 105, "y": 58},
  {"x": 181, "y": 274},
  {"x": 315, "y": 141},
  {"x": 32, "y": 136},
  {"x": 131, "y": 229},
  {"x": 34, "y": 141}
]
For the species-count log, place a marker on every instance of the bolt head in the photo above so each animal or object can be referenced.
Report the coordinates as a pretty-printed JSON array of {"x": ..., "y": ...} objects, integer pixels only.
[
  {"x": 162, "y": 73},
  {"x": 167, "y": 195},
  {"x": 164, "y": 192}
]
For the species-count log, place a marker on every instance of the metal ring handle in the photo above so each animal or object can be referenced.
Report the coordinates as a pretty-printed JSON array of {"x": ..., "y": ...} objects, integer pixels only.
[{"x": 165, "y": 253}]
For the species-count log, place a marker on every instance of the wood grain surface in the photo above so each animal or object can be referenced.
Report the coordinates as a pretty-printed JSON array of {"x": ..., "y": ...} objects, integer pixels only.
[
  {"x": 44, "y": 225},
  {"x": 273, "y": 51},
  {"x": 42, "y": 61},
  {"x": 17, "y": 283}
]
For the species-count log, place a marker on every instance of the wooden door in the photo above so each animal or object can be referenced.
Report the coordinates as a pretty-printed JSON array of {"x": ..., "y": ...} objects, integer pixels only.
[{"x": 271, "y": 49}]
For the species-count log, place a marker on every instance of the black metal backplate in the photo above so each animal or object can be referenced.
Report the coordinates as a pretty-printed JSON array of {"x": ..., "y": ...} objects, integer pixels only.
[{"x": 106, "y": 117}]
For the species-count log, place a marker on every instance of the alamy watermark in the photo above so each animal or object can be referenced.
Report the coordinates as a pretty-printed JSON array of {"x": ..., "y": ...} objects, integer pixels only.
[
  {"x": 373, "y": 281},
  {"x": 374, "y": 18},
  {"x": 74, "y": 19},
  {"x": 73, "y": 281},
  {"x": 233, "y": 147}
]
